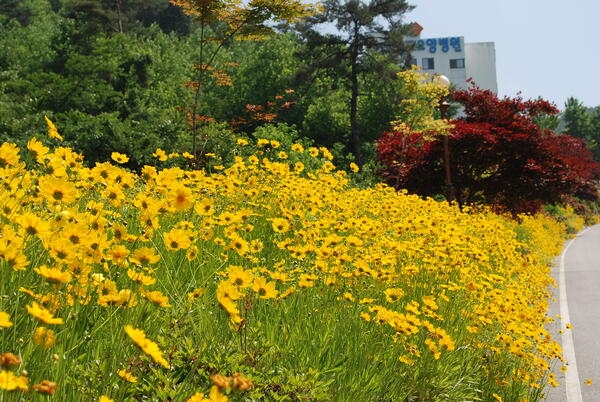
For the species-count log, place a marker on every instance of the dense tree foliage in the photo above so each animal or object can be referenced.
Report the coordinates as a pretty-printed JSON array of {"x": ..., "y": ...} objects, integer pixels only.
[
  {"x": 107, "y": 91},
  {"x": 499, "y": 156},
  {"x": 583, "y": 122},
  {"x": 369, "y": 36},
  {"x": 220, "y": 22}
]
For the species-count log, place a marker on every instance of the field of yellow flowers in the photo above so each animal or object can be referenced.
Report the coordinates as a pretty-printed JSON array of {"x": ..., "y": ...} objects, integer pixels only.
[{"x": 263, "y": 281}]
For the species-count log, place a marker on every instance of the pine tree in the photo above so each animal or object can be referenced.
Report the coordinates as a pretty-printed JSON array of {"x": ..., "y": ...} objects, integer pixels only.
[
  {"x": 362, "y": 29},
  {"x": 577, "y": 119}
]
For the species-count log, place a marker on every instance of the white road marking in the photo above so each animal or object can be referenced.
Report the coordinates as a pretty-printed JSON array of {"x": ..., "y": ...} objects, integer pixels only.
[{"x": 572, "y": 384}]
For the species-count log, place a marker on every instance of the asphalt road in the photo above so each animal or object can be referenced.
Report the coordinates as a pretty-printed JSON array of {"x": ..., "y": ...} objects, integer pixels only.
[{"x": 577, "y": 273}]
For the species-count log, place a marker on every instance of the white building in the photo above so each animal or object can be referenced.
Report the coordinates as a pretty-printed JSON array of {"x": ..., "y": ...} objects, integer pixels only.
[{"x": 457, "y": 60}]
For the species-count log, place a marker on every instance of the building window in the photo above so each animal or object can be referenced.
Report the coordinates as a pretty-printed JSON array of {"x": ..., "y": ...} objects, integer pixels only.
[
  {"x": 457, "y": 63},
  {"x": 428, "y": 63}
]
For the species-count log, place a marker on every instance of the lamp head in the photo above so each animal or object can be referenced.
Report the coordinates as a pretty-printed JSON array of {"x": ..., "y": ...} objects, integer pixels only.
[{"x": 441, "y": 80}]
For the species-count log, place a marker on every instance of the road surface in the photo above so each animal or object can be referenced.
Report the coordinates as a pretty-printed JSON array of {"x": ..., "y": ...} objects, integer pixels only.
[{"x": 577, "y": 273}]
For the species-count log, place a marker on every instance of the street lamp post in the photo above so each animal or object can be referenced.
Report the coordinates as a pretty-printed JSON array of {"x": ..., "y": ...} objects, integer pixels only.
[{"x": 443, "y": 107}]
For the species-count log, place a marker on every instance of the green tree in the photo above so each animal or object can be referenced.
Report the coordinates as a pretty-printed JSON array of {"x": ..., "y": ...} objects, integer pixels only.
[
  {"x": 261, "y": 74},
  {"x": 579, "y": 122},
  {"x": 119, "y": 92},
  {"x": 126, "y": 93},
  {"x": 26, "y": 50},
  {"x": 222, "y": 21},
  {"x": 577, "y": 119},
  {"x": 367, "y": 34},
  {"x": 595, "y": 123},
  {"x": 17, "y": 10},
  {"x": 107, "y": 16}
]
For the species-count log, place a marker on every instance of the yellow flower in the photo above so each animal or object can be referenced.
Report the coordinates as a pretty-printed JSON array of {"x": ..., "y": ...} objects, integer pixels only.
[
  {"x": 280, "y": 225},
  {"x": 144, "y": 256},
  {"x": 327, "y": 166},
  {"x": 215, "y": 396},
  {"x": 37, "y": 149},
  {"x": 118, "y": 254},
  {"x": 180, "y": 198},
  {"x": 148, "y": 347},
  {"x": 393, "y": 294},
  {"x": 148, "y": 173},
  {"x": 354, "y": 167},
  {"x": 177, "y": 239},
  {"x": 52, "y": 131},
  {"x": 9, "y": 155},
  {"x": 127, "y": 376},
  {"x": 231, "y": 308},
  {"x": 240, "y": 277},
  {"x": 239, "y": 244},
  {"x": 328, "y": 155},
  {"x": 54, "y": 275},
  {"x": 196, "y": 293},
  {"x": 228, "y": 290},
  {"x": 140, "y": 277},
  {"x": 44, "y": 336},
  {"x": 406, "y": 360},
  {"x": 156, "y": 297},
  {"x": 33, "y": 225},
  {"x": 265, "y": 290},
  {"x": 288, "y": 292},
  {"x": 11, "y": 382},
  {"x": 105, "y": 398},
  {"x": 241, "y": 141},
  {"x": 160, "y": 154},
  {"x": 298, "y": 167},
  {"x": 198, "y": 397},
  {"x": 124, "y": 297},
  {"x": 588, "y": 381},
  {"x": 57, "y": 190},
  {"x": 432, "y": 346},
  {"x": 43, "y": 315},
  {"x": 5, "y": 320},
  {"x": 119, "y": 157},
  {"x": 205, "y": 207},
  {"x": 307, "y": 281}
]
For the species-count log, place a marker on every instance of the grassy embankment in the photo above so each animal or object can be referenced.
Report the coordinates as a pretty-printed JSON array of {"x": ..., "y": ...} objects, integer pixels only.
[{"x": 263, "y": 281}]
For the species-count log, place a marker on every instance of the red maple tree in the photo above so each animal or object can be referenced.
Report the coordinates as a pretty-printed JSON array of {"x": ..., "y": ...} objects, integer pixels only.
[{"x": 499, "y": 156}]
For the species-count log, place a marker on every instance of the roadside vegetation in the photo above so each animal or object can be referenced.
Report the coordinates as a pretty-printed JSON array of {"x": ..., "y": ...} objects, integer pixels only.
[
  {"x": 191, "y": 217},
  {"x": 271, "y": 279}
]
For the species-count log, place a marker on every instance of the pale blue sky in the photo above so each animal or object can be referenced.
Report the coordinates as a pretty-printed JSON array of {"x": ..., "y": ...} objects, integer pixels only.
[{"x": 544, "y": 48}]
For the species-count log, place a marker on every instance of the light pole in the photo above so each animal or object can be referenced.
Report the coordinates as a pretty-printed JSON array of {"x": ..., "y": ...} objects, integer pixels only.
[{"x": 442, "y": 80}]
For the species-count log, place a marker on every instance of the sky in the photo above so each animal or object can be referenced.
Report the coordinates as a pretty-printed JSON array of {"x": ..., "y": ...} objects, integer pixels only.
[{"x": 544, "y": 48}]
